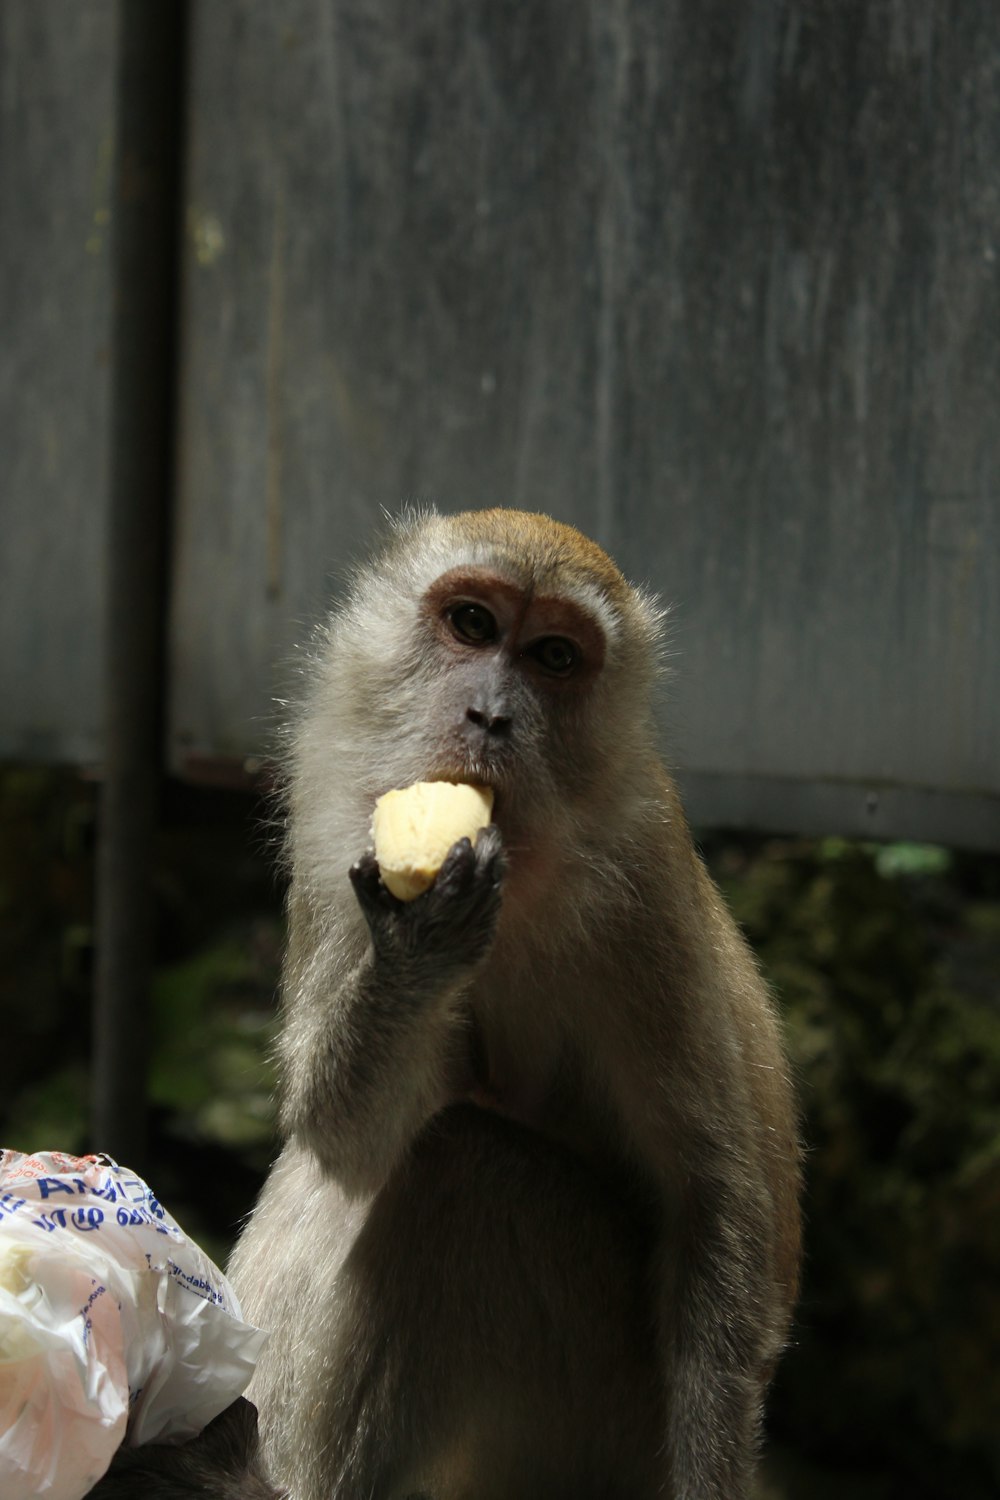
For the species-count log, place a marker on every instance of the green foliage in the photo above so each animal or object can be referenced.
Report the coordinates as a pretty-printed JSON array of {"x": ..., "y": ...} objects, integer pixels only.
[
  {"x": 211, "y": 1048},
  {"x": 211, "y": 1086},
  {"x": 45, "y": 902},
  {"x": 887, "y": 976},
  {"x": 52, "y": 1111}
]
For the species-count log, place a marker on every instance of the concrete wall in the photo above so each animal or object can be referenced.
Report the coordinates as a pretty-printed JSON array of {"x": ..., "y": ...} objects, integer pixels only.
[{"x": 718, "y": 283}]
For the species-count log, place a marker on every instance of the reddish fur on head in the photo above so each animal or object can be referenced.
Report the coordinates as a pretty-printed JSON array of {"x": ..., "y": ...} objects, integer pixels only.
[{"x": 552, "y": 548}]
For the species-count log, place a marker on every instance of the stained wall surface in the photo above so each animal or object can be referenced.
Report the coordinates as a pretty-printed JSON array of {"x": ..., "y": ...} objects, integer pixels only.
[
  {"x": 719, "y": 284},
  {"x": 56, "y": 139}
]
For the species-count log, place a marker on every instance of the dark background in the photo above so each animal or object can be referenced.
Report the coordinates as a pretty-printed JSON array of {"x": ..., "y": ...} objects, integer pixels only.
[{"x": 886, "y": 962}]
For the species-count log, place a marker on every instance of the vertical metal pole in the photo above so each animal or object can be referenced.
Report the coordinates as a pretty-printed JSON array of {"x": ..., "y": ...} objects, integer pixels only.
[{"x": 145, "y": 244}]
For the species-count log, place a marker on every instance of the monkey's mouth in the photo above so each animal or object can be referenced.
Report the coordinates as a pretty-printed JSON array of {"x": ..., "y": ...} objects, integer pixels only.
[{"x": 473, "y": 773}]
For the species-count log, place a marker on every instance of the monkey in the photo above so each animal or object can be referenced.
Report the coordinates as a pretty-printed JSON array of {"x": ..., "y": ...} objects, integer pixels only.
[
  {"x": 533, "y": 1230},
  {"x": 221, "y": 1463}
]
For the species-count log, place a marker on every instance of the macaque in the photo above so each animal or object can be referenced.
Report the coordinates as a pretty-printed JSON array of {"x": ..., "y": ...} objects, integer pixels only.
[
  {"x": 221, "y": 1463},
  {"x": 533, "y": 1233}
]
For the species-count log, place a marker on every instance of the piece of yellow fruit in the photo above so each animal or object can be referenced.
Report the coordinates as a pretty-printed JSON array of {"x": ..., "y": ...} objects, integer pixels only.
[{"x": 413, "y": 829}]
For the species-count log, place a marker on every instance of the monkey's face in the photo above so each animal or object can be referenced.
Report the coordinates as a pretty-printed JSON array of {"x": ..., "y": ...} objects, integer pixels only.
[
  {"x": 490, "y": 673},
  {"x": 514, "y": 672},
  {"x": 494, "y": 647}
]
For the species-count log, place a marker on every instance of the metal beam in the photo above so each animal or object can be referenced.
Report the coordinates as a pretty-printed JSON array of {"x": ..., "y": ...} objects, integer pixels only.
[{"x": 145, "y": 220}]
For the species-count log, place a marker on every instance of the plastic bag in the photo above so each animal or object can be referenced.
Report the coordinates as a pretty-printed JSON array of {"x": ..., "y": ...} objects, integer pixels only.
[{"x": 110, "y": 1317}]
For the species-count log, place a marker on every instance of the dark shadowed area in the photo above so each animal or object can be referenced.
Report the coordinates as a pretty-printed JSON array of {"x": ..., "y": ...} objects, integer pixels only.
[{"x": 886, "y": 961}]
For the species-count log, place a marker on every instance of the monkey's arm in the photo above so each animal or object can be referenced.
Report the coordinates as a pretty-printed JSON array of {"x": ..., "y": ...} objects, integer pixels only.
[
  {"x": 367, "y": 1046},
  {"x": 719, "y": 1309},
  {"x": 720, "y": 1330},
  {"x": 698, "y": 1075}
]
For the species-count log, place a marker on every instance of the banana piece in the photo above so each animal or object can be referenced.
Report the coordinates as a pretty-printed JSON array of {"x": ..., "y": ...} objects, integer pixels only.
[{"x": 414, "y": 827}]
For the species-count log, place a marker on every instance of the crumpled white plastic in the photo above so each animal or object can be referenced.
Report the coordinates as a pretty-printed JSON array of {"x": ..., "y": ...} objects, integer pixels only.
[{"x": 111, "y": 1318}]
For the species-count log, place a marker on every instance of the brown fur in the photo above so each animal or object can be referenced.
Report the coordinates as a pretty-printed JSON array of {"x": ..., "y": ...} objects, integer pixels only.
[{"x": 534, "y": 1229}]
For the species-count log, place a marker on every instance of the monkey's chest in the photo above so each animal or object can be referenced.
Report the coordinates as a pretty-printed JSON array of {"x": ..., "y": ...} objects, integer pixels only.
[{"x": 497, "y": 1321}]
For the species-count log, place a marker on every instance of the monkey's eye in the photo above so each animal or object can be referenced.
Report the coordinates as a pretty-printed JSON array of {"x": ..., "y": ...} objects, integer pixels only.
[
  {"x": 473, "y": 623},
  {"x": 556, "y": 654}
]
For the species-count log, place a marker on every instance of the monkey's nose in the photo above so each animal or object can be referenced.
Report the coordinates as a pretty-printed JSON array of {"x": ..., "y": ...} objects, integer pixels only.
[{"x": 498, "y": 724}]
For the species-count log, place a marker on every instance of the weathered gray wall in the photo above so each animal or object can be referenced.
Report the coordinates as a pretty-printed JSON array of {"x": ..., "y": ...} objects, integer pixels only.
[
  {"x": 717, "y": 282},
  {"x": 56, "y": 134}
]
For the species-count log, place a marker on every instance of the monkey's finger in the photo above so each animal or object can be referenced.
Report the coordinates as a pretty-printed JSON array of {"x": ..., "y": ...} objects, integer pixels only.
[
  {"x": 490, "y": 852},
  {"x": 365, "y": 878},
  {"x": 458, "y": 869}
]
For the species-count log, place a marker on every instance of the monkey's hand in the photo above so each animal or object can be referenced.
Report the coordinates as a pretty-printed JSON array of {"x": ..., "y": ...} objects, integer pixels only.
[
  {"x": 451, "y": 926},
  {"x": 369, "y": 1049}
]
